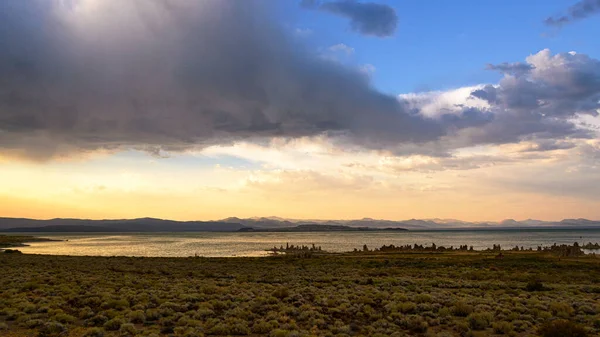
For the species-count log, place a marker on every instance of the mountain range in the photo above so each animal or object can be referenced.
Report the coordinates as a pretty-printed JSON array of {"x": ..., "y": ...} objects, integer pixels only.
[
  {"x": 415, "y": 224},
  {"x": 262, "y": 224}
]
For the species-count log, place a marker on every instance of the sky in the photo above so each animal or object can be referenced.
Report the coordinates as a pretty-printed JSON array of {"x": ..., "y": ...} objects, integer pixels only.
[{"x": 333, "y": 109}]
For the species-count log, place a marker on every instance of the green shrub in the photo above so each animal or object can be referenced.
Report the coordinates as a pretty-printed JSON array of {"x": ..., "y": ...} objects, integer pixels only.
[
  {"x": 29, "y": 286},
  {"x": 167, "y": 325},
  {"x": 153, "y": 315},
  {"x": 86, "y": 313},
  {"x": 561, "y": 309},
  {"x": 281, "y": 293},
  {"x": 94, "y": 332},
  {"x": 444, "y": 312},
  {"x": 116, "y": 304},
  {"x": 562, "y": 328},
  {"x": 407, "y": 307},
  {"x": 535, "y": 285},
  {"x": 97, "y": 320},
  {"x": 220, "y": 329},
  {"x": 521, "y": 325},
  {"x": 280, "y": 333},
  {"x": 423, "y": 298},
  {"x": 502, "y": 328},
  {"x": 29, "y": 309},
  {"x": 462, "y": 309},
  {"x": 587, "y": 309},
  {"x": 114, "y": 324},
  {"x": 127, "y": 329},
  {"x": 417, "y": 324},
  {"x": 34, "y": 323},
  {"x": 137, "y": 316},
  {"x": 65, "y": 318},
  {"x": 52, "y": 329},
  {"x": 261, "y": 327},
  {"x": 480, "y": 321}
]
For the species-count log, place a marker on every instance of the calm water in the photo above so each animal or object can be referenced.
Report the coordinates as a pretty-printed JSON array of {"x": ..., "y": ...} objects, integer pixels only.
[{"x": 255, "y": 244}]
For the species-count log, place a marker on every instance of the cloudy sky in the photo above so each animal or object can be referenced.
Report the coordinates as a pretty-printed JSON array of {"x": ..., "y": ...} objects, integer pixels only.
[{"x": 466, "y": 109}]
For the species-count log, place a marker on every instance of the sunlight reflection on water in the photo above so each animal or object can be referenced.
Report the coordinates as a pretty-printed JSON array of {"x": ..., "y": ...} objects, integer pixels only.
[{"x": 255, "y": 244}]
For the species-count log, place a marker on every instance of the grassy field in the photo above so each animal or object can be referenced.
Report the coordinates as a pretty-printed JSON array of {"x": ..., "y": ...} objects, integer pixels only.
[{"x": 364, "y": 294}]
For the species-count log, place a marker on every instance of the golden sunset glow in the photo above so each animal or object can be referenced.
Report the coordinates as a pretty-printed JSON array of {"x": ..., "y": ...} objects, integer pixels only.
[{"x": 197, "y": 110}]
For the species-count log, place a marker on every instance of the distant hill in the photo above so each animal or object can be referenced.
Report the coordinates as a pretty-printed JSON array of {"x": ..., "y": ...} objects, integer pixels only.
[
  {"x": 124, "y": 225},
  {"x": 317, "y": 228},
  {"x": 263, "y": 224},
  {"x": 414, "y": 224}
]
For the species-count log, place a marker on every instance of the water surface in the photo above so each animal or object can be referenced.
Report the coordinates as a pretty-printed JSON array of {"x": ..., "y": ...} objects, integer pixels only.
[{"x": 212, "y": 244}]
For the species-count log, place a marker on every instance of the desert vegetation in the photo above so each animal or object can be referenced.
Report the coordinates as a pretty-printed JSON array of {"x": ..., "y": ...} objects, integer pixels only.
[{"x": 371, "y": 293}]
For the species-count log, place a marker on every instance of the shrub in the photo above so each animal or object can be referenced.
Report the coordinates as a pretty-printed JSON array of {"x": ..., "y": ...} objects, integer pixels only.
[
  {"x": 462, "y": 309},
  {"x": 407, "y": 307},
  {"x": 423, "y": 298},
  {"x": 97, "y": 320},
  {"x": 502, "y": 328},
  {"x": 52, "y": 329},
  {"x": 220, "y": 329},
  {"x": 535, "y": 285},
  {"x": 587, "y": 309},
  {"x": 281, "y": 293},
  {"x": 167, "y": 324},
  {"x": 417, "y": 324},
  {"x": 280, "y": 333},
  {"x": 137, "y": 316},
  {"x": 116, "y": 304},
  {"x": 444, "y": 312},
  {"x": 114, "y": 324},
  {"x": 521, "y": 325},
  {"x": 86, "y": 313},
  {"x": 28, "y": 286},
  {"x": 65, "y": 318},
  {"x": 562, "y": 328},
  {"x": 561, "y": 309},
  {"x": 29, "y": 309},
  {"x": 127, "y": 329},
  {"x": 152, "y": 315},
  {"x": 33, "y": 323},
  {"x": 480, "y": 321},
  {"x": 94, "y": 332},
  {"x": 261, "y": 327}
]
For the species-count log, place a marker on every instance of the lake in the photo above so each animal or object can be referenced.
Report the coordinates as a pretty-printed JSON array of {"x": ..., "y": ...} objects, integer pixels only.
[{"x": 211, "y": 244}]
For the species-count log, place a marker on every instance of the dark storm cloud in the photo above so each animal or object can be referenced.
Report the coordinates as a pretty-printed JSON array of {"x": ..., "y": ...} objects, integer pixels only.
[
  {"x": 367, "y": 18},
  {"x": 578, "y": 11},
  {"x": 87, "y": 75},
  {"x": 82, "y": 75}
]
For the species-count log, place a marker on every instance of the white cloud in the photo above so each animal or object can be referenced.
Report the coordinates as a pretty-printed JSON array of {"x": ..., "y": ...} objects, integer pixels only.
[
  {"x": 343, "y": 48},
  {"x": 435, "y": 103},
  {"x": 303, "y": 32},
  {"x": 367, "y": 69}
]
